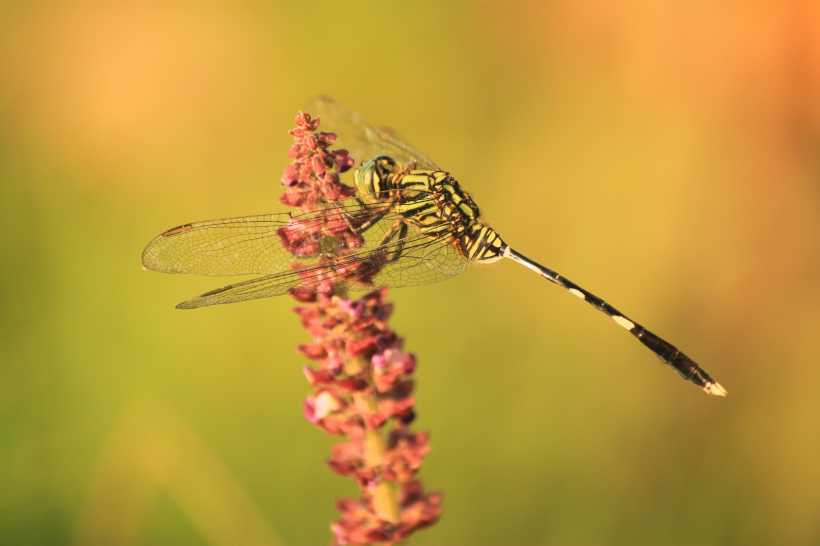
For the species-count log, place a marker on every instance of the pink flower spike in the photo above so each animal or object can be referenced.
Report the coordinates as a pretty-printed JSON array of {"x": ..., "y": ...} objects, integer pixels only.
[{"x": 360, "y": 379}]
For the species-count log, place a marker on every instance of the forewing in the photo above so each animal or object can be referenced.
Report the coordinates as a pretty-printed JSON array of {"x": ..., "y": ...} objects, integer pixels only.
[
  {"x": 223, "y": 247},
  {"x": 423, "y": 260},
  {"x": 245, "y": 245},
  {"x": 361, "y": 139}
]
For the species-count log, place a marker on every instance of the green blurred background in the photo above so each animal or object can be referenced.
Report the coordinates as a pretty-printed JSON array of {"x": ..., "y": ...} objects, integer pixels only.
[{"x": 665, "y": 155}]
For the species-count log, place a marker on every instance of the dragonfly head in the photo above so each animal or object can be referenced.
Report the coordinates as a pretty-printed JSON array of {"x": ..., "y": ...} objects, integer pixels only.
[{"x": 373, "y": 176}]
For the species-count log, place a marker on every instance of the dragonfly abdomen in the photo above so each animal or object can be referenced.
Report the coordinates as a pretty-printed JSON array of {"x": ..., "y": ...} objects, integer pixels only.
[{"x": 482, "y": 244}]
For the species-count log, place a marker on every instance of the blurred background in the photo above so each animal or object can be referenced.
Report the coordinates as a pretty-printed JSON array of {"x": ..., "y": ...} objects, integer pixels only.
[{"x": 664, "y": 155}]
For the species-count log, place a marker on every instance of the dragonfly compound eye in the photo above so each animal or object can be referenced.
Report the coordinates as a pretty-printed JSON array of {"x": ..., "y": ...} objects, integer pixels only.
[{"x": 373, "y": 176}]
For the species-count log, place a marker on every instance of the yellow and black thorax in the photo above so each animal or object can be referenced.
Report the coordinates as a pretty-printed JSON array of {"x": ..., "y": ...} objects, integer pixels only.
[{"x": 433, "y": 202}]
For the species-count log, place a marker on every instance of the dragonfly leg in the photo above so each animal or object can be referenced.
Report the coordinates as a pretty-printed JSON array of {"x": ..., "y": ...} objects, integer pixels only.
[
  {"x": 373, "y": 216},
  {"x": 392, "y": 254}
]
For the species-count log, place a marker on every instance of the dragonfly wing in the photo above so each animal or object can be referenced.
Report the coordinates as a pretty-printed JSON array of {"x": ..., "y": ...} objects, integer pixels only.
[
  {"x": 246, "y": 245},
  {"x": 361, "y": 139},
  {"x": 227, "y": 246},
  {"x": 423, "y": 260},
  {"x": 307, "y": 280},
  {"x": 263, "y": 287}
]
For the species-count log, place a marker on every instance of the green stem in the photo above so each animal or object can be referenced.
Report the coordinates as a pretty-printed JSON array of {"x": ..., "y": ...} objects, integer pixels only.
[{"x": 385, "y": 499}]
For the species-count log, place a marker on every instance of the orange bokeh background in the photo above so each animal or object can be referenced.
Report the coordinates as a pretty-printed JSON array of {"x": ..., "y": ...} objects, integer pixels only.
[{"x": 664, "y": 155}]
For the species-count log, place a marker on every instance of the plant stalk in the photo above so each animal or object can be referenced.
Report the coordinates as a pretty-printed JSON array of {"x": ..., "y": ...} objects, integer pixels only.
[{"x": 385, "y": 499}]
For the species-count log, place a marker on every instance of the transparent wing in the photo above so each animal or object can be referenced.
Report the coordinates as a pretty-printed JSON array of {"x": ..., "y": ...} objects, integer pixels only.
[
  {"x": 361, "y": 139},
  {"x": 223, "y": 247},
  {"x": 253, "y": 244},
  {"x": 423, "y": 260},
  {"x": 306, "y": 252}
]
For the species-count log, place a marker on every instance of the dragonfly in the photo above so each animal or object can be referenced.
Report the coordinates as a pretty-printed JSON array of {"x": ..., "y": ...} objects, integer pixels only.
[{"x": 410, "y": 223}]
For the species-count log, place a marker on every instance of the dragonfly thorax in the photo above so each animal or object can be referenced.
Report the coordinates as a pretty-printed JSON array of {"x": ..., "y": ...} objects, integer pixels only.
[{"x": 433, "y": 202}]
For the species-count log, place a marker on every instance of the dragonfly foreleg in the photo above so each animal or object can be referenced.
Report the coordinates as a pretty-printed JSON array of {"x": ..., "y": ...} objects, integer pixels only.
[
  {"x": 372, "y": 216},
  {"x": 392, "y": 252}
]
